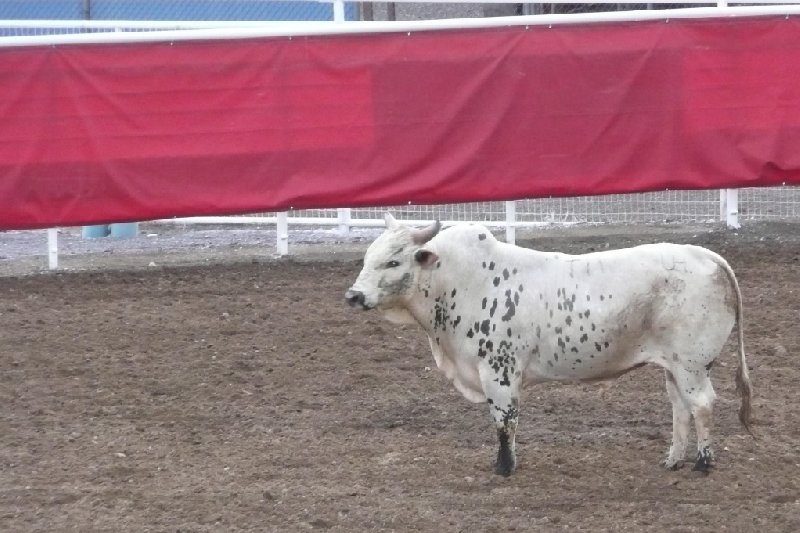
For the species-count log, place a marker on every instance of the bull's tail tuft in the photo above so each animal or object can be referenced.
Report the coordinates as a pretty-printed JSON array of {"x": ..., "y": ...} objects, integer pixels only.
[
  {"x": 742, "y": 375},
  {"x": 746, "y": 393}
]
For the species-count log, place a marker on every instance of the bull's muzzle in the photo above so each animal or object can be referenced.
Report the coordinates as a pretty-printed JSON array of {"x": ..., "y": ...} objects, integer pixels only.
[{"x": 355, "y": 299}]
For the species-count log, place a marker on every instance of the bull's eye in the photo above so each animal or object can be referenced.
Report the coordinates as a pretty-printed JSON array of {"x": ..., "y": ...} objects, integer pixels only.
[{"x": 392, "y": 264}]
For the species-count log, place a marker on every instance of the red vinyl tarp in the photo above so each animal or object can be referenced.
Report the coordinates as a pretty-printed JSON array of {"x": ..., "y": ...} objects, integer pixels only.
[{"x": 98, "y": 133}]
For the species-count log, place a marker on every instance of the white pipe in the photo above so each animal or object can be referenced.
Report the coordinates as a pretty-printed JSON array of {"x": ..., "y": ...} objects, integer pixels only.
[
  {"x": 343, "y": 216},
  {"x": 283, "y": 234},
  {"x": 221, "y": 220},
  {"x": 511, "y": 220},
  {"x": 52, "y": 248},
  {"x": 723, "y": 207},
  {"x": 732, "y": 208},
  {"x": 320, "y": 221},
  {"x": 363, "y": 27},
  {"x": 338, "y": 10}
]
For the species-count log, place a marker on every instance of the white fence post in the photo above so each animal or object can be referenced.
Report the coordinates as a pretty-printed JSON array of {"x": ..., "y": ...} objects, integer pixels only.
[
  {"x": 732, "y": 208},
  {"x": 338, "y": 10},
  {"x": 52, "y": 248},
  {"x": 282, "y": 231},
  {"x": 511, "y": 221},
  {"x": 343, "y": 215}
]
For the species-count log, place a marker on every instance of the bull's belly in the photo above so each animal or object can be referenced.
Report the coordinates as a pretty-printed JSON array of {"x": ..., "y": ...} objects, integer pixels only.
[{"x": 582, "y": 366}]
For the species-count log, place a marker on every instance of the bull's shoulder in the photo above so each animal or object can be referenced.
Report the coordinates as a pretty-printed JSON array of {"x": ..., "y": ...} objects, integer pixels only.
[{"x": 467, "y": 235}]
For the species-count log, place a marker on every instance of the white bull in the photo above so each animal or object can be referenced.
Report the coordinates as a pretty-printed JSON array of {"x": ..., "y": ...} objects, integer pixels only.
[{"x": 499, "y": 317}]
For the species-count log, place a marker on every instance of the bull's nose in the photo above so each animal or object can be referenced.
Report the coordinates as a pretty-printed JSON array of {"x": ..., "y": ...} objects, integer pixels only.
[{"x": 354, "y": 298}]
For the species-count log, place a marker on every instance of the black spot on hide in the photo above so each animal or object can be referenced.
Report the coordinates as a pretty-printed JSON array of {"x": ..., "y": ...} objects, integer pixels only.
[{"x": 510, "y": 308}]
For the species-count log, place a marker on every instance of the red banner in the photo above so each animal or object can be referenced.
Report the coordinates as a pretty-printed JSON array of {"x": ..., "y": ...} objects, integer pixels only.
[{"x": 121, "y": 132}]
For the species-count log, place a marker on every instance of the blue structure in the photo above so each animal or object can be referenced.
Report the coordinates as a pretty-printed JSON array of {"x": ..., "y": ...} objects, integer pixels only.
[{"x": 170, "y": 10}]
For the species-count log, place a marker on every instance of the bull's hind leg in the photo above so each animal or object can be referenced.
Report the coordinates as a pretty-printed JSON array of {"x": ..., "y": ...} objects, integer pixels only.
[
  {"x": 702, "y": 411},
  {"x": 502, "y": 395},
  {"x": 681, "y": 419},
  {"x": 694, "y": 386}
]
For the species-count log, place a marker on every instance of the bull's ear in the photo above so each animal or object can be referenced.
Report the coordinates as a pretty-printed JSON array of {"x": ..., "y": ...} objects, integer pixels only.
[
  {"x": 425, "y": 258},
  {"x": 423, "y": 235},
  {"x": 391, "y": 223}
]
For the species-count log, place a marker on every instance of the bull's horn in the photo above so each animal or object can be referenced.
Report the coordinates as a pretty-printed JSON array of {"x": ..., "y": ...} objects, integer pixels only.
[
  {"x": 391, "y": 223},
  {"x": 423, "y": 235}
]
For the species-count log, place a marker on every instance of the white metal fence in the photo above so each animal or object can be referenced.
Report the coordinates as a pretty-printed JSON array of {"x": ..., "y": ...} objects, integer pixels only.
[
  {"x": 732, "y": 206},
  {"x": 663, "y": 207}
]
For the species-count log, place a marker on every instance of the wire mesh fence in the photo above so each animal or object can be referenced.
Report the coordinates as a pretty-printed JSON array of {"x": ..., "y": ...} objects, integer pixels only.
[
  {"x": 217, "y": 10},
  {"x": 778, "y": 203},
  {"x": 659, "y": 207}
]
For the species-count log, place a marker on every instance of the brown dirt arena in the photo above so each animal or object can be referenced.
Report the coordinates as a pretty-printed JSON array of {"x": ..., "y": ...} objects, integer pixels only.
[{"x": 244, "y": 396}]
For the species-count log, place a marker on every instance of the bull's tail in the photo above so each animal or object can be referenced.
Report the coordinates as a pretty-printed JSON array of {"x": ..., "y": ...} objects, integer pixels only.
[{"x": 742, "y": 375}]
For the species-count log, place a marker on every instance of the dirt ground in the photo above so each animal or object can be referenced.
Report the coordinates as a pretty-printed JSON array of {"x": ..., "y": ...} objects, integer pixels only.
[{"x": 244, "y": 396}]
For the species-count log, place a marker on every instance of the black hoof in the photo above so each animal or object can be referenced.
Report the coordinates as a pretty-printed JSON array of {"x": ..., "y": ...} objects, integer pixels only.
[
  {"x": 503, "y": 469},
  {"x": 505, "y": 463},
  {"x": 704, "y": 462}
]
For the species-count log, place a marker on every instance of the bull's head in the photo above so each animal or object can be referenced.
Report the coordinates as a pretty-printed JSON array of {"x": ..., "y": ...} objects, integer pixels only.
[{"x": 391, "y": 266}]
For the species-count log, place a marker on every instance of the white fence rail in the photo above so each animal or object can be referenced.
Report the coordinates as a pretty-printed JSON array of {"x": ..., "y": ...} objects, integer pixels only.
[{"x": 730, "y": 206}]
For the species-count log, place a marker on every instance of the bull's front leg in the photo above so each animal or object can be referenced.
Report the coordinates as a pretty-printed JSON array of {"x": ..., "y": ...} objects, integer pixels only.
[{"x": 502, "y": 395}]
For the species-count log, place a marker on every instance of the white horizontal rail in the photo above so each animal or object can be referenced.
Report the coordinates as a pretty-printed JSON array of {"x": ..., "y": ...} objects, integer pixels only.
[
  {"x": 356, "y": 222},
  {"x": 292, "y": 29}
]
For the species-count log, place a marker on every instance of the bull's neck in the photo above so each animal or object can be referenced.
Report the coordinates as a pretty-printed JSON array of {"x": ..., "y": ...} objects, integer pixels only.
[{"x": 423, "y": 300}]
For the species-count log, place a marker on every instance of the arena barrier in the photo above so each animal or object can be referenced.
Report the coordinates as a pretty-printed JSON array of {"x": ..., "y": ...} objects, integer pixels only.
[{"x": 130, "y": 126}]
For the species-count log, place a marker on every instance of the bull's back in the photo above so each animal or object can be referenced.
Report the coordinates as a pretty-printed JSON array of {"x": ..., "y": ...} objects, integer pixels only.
[
  {"x": 627, "y": 307},
  {"x": 581, "y": 316}
]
